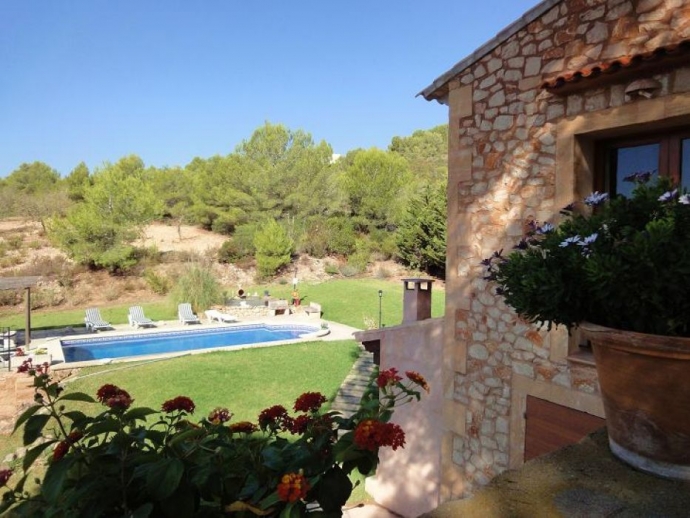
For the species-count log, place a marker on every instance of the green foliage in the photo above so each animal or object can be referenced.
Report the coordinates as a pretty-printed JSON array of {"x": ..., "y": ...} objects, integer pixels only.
[
  {"x": 99, "y": 231},
  {"x": 136, "y": 461},
  {"x": 427, "y": 153},
  {"x": 329, "y": 236},
  {"x": 78, "y": 181},
  {"x": 199, "y": 287},
  {"x": 624, "y": 265},
  {"x": 375, "y": 184},
  {"x": 32, "y": 178},
  {"x": 229, "y": 252},
  {"x": 274, "y": 248},
  {"x": 421, "y": 236},
  {"x": 158, "y": 283}
]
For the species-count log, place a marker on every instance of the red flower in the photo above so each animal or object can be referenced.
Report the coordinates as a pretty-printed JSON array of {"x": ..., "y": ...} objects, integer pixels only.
[
  {"x": 300, "y": 424},
  {"x": 309, "y": 402},
  {"x": 275, "y": 418},
  {"x": 418, "y": 379},
  {"x": 293, "y": 487},
  {"x": 61, "y": 450},
  {"x": 371, "y": 434},
  {"x": 5, "y": 475},
  {"x": 388, "y": 378},
  {"x": 219, "y": 415},
  {"x": 74, "y": 436},
  {"x": 114, "y": 397},
  {"x": 243, "y": 427},
  {"x": 181, "y": 403},
  {"x": 25, "y": 366},
  {"x": 106, "y": 392}
]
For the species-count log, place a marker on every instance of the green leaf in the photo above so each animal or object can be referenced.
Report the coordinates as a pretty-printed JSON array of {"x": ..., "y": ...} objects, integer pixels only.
[
  {"x": 138, "y": 413},
  {"x": 293, "y": 510},
  {"x": 189, "y": 434},
  {"x": 54, "y": 480},
  {"x": 333, "y": 490},
  {"x": 33, "y": 453},
  {"x": 163, "y": 477},
  {"x": 104, "y": 426},
  {"x": 76, "y": 416},
  {"x": 77, "y": 396},
  {"x": 34, "y": 427},
  {"x": 25, "y": 415}
]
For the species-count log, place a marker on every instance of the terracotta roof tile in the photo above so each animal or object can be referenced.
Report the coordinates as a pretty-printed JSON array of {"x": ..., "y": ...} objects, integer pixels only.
[{"x": 622, "y": 63}]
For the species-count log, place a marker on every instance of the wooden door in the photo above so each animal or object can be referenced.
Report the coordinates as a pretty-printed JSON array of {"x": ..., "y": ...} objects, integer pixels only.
[{"x": 550, "y": 427}]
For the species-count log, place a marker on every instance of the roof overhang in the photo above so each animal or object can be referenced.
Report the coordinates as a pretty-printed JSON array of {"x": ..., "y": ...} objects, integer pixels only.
[
  {"x": 438, "y": 90},
  {"x": 18, "y": 283}
]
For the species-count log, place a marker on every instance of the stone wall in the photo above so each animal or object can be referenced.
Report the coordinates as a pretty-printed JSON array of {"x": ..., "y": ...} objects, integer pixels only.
[{"x": 519, "y": 153}]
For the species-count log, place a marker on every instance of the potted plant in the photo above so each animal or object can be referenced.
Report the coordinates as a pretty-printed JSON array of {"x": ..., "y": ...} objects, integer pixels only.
[
  {"x": 619, "y": 269},
  {"x": 141, "y": 462}
]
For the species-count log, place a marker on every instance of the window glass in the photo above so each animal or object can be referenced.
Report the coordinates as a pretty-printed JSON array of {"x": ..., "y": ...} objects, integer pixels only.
[
  {"x": 636, "y": 159},
  {"x": 685, "y": 163}
]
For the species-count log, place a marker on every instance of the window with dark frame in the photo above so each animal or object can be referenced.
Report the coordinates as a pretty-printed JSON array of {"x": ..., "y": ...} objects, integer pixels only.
[{"x": 665, "y": 154}]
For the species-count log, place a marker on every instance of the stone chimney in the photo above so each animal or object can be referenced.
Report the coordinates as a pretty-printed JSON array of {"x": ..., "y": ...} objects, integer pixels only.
[{"x": 416, "y": 299}]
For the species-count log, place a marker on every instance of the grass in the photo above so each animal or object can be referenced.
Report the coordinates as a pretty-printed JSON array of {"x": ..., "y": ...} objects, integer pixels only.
[
  {"x": 244, "y": 381},
  {"x": 348, "y": 301}
]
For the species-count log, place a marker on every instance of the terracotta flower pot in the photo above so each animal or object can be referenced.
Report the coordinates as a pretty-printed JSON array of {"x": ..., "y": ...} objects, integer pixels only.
[{"x": 645, "y": 387}]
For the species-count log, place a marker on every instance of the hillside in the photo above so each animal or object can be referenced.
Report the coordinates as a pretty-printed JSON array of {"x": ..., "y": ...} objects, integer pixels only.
[{"x": 25, "y": 251}]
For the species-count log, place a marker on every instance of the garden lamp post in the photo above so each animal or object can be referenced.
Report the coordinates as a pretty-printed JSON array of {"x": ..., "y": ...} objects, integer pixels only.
[{"x": 380, "y": 299}]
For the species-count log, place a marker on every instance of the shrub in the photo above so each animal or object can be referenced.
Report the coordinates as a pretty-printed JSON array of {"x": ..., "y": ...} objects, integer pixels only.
[
  {"x": 331, "y": 268},
  {"x": 199, "y": 287},
  {"x": 230, "y": 252},
  {"x": 244, "y": 239},
  {"x": 382, "y": 273},
  {"x": 159, "y": 284},
  {"x": 141, "y": 462},
  {"x": 274, "y": 248},
  {"x": 14, "y": 242}
]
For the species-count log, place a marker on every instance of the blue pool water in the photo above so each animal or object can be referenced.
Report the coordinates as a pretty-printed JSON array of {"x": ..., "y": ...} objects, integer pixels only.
[{"x": 106, "y": 347}]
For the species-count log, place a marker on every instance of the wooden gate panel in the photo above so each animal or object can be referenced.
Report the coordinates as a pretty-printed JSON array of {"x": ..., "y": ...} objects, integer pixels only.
[{"x": 550, "y": 427}]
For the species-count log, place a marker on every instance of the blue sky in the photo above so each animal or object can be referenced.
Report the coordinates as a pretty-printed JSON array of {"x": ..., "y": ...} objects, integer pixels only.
[{"x": 95, "y": 80}]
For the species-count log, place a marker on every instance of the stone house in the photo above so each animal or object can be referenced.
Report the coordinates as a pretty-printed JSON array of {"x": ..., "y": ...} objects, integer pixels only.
[{"x": 570, "y": 98}]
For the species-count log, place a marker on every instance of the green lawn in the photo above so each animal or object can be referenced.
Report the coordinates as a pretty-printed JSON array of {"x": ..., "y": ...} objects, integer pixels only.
[
  {"x": 348, "y": 301},
  {"x": 244, "y": 381}
]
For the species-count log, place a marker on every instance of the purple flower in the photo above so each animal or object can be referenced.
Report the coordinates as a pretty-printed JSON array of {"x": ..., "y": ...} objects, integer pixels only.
[
  {"x": 684, "y": 200},
  {"x": 589, "y": 240},
  {"x": 668, "y": 195},
  {"x": 575, "y": 240},
  {"x": 596, "y": 198},
  {"x": 546, "y": 228}
]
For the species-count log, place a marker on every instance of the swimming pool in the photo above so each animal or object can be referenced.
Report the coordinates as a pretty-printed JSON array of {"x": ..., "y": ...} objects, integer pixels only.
[{"x": 125, "y": 346}]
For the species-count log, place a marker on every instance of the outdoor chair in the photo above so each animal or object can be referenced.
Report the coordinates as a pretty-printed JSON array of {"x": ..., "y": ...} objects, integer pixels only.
[
  {"x": 138, "y": 319},
  {"x": 94, "y": 321},
  {"x": 219, "y": 316},
  {"x": 186, "y": 315}
]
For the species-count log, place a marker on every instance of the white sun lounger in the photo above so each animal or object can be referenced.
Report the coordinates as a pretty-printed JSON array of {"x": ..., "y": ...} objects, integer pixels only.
[
  {"x": 138, "y": 319},
  {"x": 94, "y": 321},
  {"x": 219, "y": 316},
  {"x": 186, "y": 315}
]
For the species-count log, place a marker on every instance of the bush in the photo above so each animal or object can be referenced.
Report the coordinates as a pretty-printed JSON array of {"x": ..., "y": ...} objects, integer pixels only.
[
  {"x": 199, "y": 287},
  {"x": 244, "y": 239},
  {"x": 274, "y": 248},
  {"x": 331, "y": 269},
  {"x": 231, "y": 252},
  {"x": 159, "y": 284}
]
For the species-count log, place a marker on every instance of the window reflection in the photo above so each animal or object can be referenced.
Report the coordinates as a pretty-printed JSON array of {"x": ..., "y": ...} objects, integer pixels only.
[{"x": 636, "y": 159}]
